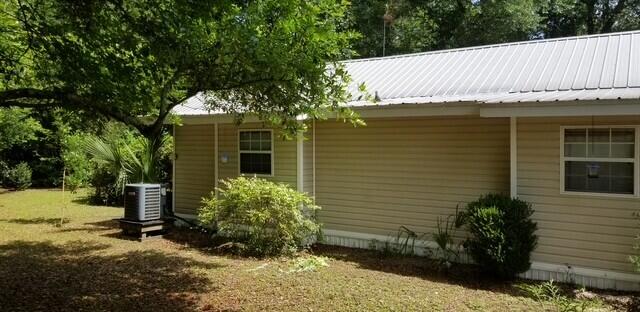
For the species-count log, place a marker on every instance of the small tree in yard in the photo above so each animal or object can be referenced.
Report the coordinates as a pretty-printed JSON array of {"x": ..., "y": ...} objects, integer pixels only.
[
  {"x": 267, "y": 218},
  {"x": 127, "y": 58}
]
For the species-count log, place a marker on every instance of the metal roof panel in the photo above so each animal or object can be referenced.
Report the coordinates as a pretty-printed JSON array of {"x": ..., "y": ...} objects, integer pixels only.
[{"x": 605, "y": 66}]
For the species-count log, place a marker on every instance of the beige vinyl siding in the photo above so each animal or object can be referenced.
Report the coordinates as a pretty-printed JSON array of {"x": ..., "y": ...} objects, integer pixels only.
[
  {"x": 406, "y": 171},
  {"x": 284, "y": 153},
  {"x": 195, "y": 167},
  {"x": 595, "y": 231},
  {"x": 307, "y": 158},
  {"x": 194, "y": 171}
]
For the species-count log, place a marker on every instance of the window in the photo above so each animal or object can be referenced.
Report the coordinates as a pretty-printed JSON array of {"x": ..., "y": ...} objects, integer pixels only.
[
  {"x": 256, "y": 152},
  {"x": 599, "y": 160}
]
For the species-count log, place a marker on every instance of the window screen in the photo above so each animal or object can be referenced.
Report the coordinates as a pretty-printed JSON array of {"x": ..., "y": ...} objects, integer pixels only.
[
  {"x": 599, "y": 160},
  {"x": 255, "y": 152}
]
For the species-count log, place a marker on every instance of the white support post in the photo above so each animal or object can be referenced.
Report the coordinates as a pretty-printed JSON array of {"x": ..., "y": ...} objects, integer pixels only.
[
  {"x": 300, "y": 161},
  {"x": 313, "y": 161},
  {"x": 215, "y": 158},
  {"x": 173, "y": 170},
  {"x": 513, "y": 156}
]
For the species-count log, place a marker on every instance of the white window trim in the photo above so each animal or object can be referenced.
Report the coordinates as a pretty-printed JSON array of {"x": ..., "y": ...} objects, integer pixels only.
[
  {"x": 636, "y": 162},
  {"x": 273, "y": 168}
]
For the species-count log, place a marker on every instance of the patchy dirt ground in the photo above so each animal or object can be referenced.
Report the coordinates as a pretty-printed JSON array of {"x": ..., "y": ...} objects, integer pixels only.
[{"x": 87, "y": 265}]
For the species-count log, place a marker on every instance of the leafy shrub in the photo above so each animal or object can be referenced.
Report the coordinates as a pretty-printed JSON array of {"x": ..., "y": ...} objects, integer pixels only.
[
  {"x": 502, "y": 235},
  {"x": 4, "y": 169},
  {"x": 267, "y": 218},
  {"x": 79, "y": 168},
  {"x": 18, "y": 177}
]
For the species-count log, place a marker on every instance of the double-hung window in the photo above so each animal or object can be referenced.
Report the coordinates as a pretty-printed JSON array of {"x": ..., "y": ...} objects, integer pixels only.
[
  {"x": 256, "y": 152},
  {"x": 599, "y": 160}
]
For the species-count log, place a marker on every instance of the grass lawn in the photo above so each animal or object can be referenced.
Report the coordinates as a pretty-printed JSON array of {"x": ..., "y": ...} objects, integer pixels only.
[{"x": 87, "y": 265}]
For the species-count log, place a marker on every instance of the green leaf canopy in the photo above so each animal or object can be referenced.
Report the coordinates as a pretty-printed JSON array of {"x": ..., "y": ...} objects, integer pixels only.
[{"x": 129, "y": 58}]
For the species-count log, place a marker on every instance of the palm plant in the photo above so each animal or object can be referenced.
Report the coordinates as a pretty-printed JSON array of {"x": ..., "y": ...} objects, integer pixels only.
[{"x": 134, "y": 162}]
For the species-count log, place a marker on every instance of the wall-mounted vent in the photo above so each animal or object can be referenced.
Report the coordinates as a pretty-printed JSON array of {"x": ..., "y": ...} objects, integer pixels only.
[{"x": 142, "y": 202}]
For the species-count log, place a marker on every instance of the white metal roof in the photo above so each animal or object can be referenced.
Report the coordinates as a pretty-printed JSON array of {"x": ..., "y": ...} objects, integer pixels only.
[{"x": 594, "y": 67}]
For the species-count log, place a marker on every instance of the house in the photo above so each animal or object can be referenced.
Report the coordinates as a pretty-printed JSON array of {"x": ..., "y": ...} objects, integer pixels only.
[{"x": 554, "y": 122}]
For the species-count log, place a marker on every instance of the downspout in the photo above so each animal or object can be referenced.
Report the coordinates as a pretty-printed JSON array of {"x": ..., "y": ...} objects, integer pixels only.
[{"x": 513, "y": 156}]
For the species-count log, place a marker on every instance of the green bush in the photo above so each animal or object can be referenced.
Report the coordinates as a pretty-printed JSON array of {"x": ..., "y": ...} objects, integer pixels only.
[
  {"x": 266, "y": 218},
  {"x": 76, "y": 161},
  {"x": 18, "y": 177},
  {"x": 502, "y": 235}
]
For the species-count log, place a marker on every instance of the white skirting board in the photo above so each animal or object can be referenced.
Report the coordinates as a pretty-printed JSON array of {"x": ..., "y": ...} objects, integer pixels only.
[{"x": 587, "y": 277}]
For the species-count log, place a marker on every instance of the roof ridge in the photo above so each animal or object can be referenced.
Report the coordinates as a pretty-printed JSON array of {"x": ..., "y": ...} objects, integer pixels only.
[{"x": 487, "y": 46}]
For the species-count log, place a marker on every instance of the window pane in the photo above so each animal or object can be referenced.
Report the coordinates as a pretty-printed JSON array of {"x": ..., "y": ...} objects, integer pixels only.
[
  {"x": 598, "y": 150},
  {"x": 598, "y": 135},
  {"x": 622, "y": 150},
  {"x": 255, "y": 145},
  {"x": 575, "y": 135},
  {"x": 252, "y": 163},
  {"x": 599, "y": 177},
  {"x": 623, "y": 135},
  {"x": 265, "y": 146},
  {"x": 244, "y": 145},
  {"x": 265, "y": 136},
  {"x": 575, "y": 149}
]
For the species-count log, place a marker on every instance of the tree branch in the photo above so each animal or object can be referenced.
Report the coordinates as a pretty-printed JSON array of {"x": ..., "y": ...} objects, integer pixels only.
[{"x": 35, "y": 98}]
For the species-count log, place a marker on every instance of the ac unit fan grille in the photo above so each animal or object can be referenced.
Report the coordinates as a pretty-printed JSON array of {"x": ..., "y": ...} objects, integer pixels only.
[{"x": 152, "y": 203}]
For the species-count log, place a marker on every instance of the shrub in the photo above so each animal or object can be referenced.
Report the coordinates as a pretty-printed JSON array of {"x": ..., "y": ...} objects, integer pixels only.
[
  {"x": 79, "y": 168},
  {"x": 18, "y": 177},
  {"x": 4, "y": 170},
  {"x": 267, "y": 218},
  {"x": 502, "y": 235}
]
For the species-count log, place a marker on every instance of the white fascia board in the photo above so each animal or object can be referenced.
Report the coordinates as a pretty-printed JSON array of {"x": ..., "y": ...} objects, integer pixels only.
[
  {"x": 556, "y": 109},
  {"x": 419, "y": 110},
  {"x": 373, "y": 111},
  {"x": 211, "y": 119}
]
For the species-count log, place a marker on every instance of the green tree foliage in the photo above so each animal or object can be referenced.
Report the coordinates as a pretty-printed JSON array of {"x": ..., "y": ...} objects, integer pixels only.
[
  {"x": 497, "y": 21},
  {"x": 423, "y": 25},
  {"x": 17, "y": 127},
  {"x": 127, "y": 58},
  {"x": 570, "y": 17},
  {"x": 267, "y": 218}
]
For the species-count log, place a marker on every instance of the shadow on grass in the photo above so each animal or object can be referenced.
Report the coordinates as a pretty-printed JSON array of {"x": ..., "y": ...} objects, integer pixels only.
[
  {"x": 462, "y": 275},
  {"x": 49, "y": 221},
  {"x": 86, "y": 200},
  {"x": 78, "y": 276},
  {"x": 92, "y": 227}
]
